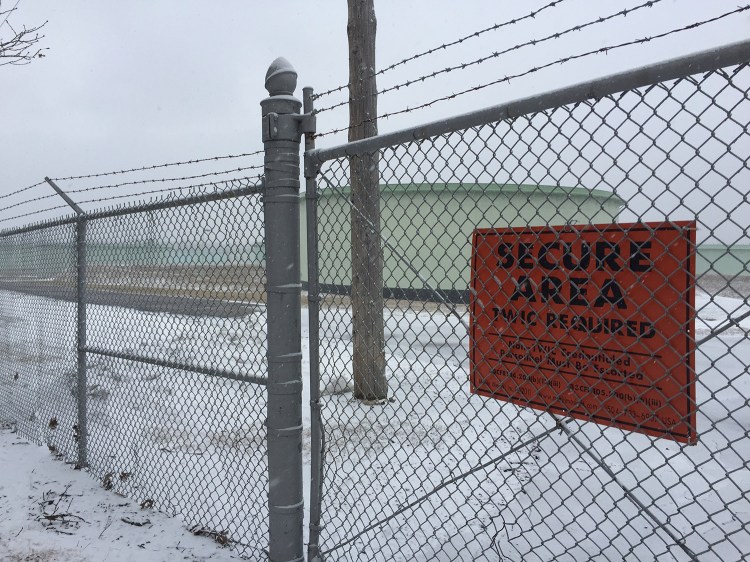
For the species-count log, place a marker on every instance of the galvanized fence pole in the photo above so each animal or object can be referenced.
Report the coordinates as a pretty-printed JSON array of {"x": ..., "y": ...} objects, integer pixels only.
[
  {"x": 313, "y": 300},
  {"x": 81, "y": 427},
  {"x": 282, "y": 128}
]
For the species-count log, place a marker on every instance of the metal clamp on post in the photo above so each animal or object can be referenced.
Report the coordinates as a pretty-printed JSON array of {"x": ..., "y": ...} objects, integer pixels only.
[
  {"x": 287, "y": 126},
  {"x": 312, "y": 167},
  {"x": 307, "y": 123}
]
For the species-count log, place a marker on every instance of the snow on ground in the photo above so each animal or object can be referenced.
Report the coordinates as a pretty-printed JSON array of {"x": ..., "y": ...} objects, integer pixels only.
[
  {"x": 713, "y": 312},
  {"x": 195, "y": 444},
  {"x": 192, "y": 444},
  {"x": 50, "y": 512},
  {"x": 545, "y": 501}
]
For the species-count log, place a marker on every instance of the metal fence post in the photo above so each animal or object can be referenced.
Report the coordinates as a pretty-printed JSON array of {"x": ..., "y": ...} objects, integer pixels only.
[
  {"x": 281, "y": 139},
  {"x": 81, "y": 427},
  {"x": 313, "y": 300}
]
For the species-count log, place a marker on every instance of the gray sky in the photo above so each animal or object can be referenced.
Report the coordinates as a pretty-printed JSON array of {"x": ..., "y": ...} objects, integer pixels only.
[{"x": 126, "y": 84}]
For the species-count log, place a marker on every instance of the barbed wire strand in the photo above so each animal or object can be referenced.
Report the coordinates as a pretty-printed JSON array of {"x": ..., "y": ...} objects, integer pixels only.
[
  {"x": 542, "y": 67},
  {"x": 16, "y": 192},
  {"x": 37, "y": 212},
  {"x": 458, "y": 41},
  {"x": 163, "y": 180},
  {"x": 28, "y": 201},
  {"x": 156, "y": 180},
  {"x": 126, "y": 196},
  {"x": 154, "y": 167},
  {"x": 168, "y": 190},
  {"x": 497, "y": 54}
]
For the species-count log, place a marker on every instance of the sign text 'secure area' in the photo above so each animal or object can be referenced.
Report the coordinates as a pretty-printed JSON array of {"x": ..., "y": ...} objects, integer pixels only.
[{"x": 593, "y": 322}]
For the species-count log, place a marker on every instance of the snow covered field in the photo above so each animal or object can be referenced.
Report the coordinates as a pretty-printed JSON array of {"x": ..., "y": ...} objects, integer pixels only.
[{"x": 436, "y": 473}]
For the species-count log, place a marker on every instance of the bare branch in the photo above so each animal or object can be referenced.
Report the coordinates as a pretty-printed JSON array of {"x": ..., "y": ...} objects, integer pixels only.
[{"x": 23, "y": 46}]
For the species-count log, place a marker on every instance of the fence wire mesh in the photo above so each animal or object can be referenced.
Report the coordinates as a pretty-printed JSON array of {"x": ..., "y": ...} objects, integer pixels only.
[
  {"x": 434, "y": 472},
  {"x": 39, "y": 336},
  {"x": 175, "y": 362}
]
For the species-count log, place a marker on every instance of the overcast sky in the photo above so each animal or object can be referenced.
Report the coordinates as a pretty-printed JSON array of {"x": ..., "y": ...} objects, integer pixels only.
[{"x": 126, "y": 84}]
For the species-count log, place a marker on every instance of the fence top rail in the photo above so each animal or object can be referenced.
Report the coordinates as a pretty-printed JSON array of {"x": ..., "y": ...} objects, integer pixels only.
[
  {"x": 696, "y": 63},
  {"x": 167, "y": 203}
]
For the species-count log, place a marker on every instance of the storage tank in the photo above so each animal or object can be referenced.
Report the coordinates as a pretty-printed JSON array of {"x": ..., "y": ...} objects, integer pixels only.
[{"x": 427, "y": 228}]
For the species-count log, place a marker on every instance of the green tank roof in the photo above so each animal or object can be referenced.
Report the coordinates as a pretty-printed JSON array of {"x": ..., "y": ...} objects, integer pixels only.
[{"x": 483, "y": 189}]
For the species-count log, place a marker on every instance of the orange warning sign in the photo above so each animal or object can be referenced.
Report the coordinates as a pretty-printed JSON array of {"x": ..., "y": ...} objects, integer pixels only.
[{"x": 593, "y": 321}]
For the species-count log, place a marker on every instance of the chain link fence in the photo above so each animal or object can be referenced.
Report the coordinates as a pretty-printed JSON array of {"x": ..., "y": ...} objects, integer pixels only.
[
  {"x": 563, "y": 372},
  {"x": 520, "y": 462},
  {"x": 175, "y": 355},
  {"x": 39, "y": 336}
]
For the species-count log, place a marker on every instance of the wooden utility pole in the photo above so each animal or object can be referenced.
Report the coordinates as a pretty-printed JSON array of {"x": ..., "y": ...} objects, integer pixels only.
[{"x": 367, "y": 254}]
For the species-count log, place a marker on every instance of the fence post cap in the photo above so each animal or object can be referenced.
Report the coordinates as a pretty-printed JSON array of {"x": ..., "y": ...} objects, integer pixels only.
[{"x": 281, "y": 78}]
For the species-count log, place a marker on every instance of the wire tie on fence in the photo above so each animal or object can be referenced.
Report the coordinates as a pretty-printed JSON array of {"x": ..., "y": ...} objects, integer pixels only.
[
  {"x": 282, "y": 289},
  {"x": 284, "y": 431},
  {"x": 278, "y": 198},
  {"x": 286, "y": 508},
  {"x": 297, "y": 356},
  {"x": 311, "y": 298}
]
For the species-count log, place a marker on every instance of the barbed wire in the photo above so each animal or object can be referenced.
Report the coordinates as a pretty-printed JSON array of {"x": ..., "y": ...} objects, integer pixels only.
[
  {"x": 169, "y": 190},
  {"x": 193, "y": 187},
  {"x": 28, "y": 201},
  {"x": 542, "y": 67},
  {"x": 164, "y": 180},
  {"x": 16, "y": 192},
  {"x": 624, "y": 13},
  {"x": 156, "y": 166},
  {"x": 37, "y": 212},
  {"x": 136, "y": 182},
  {"x": 442, "y": 47}
]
